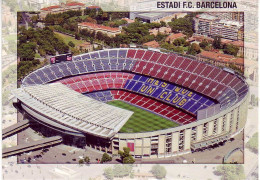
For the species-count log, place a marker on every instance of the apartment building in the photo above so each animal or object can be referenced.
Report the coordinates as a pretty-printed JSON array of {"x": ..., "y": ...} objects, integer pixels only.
[
  {"x": 233, "y": 16},
  {"x": 211, "y": 26}
]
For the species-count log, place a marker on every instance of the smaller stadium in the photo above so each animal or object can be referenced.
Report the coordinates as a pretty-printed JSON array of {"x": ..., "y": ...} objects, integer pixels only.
[{"x": 156, "y": 103}]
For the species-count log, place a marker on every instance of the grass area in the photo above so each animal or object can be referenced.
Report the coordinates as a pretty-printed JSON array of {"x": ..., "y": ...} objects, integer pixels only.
[
  {"x": 67, "y": 39},
  {"x": 142, "y": 120}
]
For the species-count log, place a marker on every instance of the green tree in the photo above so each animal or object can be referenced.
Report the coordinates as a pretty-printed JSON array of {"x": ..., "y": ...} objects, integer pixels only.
[
  {"x": 159, "y": 171},
  {"x": 109, "y": 173},
  {"x": 204, "y": 44},
  {"x": 87, "y": 159},
  {"x": 194, "y": 49},
  {"x": 125, "y": 156},
  {"x": 35, "y": 18},
  {"x": 71, "y": 44},
  {"x": 106, "y": 158},
  {"x": 81, "y": 162},
  {"x": 217, "y": 42},
  {"x": 184, "y": 25},
  {"x": 122, "y": 170},
  {"x": 128, "y": 160},
  {"x": 160, "y": 37},
  {"x": 230, "y": 172},
  {"x": 230, "y": 49},
  {"x": 77, "y": 36},
  {"x": 179, "y": 41},
  {"x": 163, "y": 24},
  {"x": 27, "y": 51},
  {"x": 252, "y": 144}
]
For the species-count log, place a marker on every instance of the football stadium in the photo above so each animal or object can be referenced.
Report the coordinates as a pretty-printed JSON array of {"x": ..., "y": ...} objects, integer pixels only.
[{"x": 158, "y": 104}]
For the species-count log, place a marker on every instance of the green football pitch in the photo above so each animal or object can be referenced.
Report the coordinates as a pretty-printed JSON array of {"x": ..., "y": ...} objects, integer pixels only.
[{"x": 142, "y": 120}]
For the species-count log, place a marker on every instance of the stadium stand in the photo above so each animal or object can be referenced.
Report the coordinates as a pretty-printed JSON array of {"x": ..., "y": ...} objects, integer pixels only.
[
  {"x": 222, "y": 86},
  {"x": 74, "y": 109}
]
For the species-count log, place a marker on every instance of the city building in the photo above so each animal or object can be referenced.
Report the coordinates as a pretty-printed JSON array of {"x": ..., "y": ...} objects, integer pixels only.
[
  {"x": 200, "y": 38},
  {"x": 61, "y": 8},
  {"x": 85, "y": 47},
  {"x": 173, "y": 36},
  {"x": 152, "y": 44},
  {"x": 111, "y": 32},
  {"x": 251, "y": 51},
  {"x": 150, "y": 17},
  {"x": 212, "y": 26},
  {"x": 239, "y": 44},
  {"x": 93, "y": 7},
  {"x": 234, "y": 16},
  {"x": 219, "y": 59},
  {"x": 162, "y": 30},
  {"x": 128, "y": 20}
]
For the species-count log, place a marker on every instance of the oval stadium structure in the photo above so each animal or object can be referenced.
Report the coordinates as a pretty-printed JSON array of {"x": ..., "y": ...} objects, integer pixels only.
[{"x": 192, "y": 105}]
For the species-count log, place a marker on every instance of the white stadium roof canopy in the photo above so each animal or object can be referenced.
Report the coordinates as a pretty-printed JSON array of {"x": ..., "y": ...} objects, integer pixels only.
[{"x": 72, "y": 109}]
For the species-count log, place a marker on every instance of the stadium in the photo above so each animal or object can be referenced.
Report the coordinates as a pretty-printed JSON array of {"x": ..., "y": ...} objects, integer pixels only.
[{"x": 158, "y": 104}]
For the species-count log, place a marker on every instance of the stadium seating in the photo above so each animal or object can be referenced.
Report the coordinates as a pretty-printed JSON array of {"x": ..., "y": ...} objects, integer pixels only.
[
  {"x": 168, "y": 93},
  {"x": 179, "y": 71}
]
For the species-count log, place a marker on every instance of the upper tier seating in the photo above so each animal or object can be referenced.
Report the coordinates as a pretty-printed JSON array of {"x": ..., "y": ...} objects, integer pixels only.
[{"x": 203, "y": 78}]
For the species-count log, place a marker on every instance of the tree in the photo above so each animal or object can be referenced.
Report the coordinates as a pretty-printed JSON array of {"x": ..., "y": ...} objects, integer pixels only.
[
  {"x": 231, "y": 49},
  {"x": 125, "y": 156},
  {"x": 160, "y": 37},
  {"x": 184, "y": 25},
  {"x": 87, "y": 159},
  {"x": 106, "y": 158},
  {"x": 217, "y": 42},
  {"x": 230, "y": 172},
  {"x": 91, "y": 20},
  {"x": 252, "y": 144},
  {"x": 193, "y": 49},
  {"x": 35, "y": 18},
  {"x": 159, "y": 171},
  {"x": 122, "y": 170},
  {"x": 179, "y": 42},
  {"x": 128, "y": 160},
  {"x": 204, "y": 44},
  {"x": 71, "y": 44},
  {"x": 77, "y": 36},
  {"x": 81, "y": 161},
  {"x": 109, "y": 173},
  {"x": 163, "y": 24},
  {"x": 27, "y": 50}
]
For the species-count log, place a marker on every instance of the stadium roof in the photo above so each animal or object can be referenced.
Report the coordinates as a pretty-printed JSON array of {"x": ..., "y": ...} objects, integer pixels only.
[{"x": 72, "y": 109}]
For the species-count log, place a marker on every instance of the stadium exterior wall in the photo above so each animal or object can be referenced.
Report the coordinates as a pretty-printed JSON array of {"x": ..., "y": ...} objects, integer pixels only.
[{"x": 184, "y": 139}]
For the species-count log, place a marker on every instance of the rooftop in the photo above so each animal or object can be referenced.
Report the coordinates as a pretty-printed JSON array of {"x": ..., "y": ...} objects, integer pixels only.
[
  {"x": 85, "y": 44},
  {"x": 206, "y": 16},
  {"x": 75, "y": 4},
  {"x": 221, "y": 57},
  {"x": 154, "y": 14},
  {"x": 58, "y": 6},
  {"x": 93, "y": 7},
  {"x": 174, "y": 36},
  {"x": 97, "y": 26},
  {"x": 128, "y": 20},
  {"x": 50, "y": 8},
  {"x": 72, "y": 109},
  {"x": 152, "y": 44}
]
